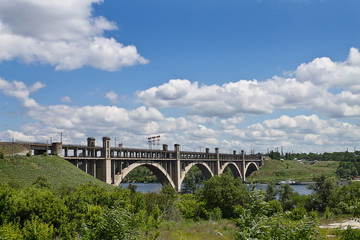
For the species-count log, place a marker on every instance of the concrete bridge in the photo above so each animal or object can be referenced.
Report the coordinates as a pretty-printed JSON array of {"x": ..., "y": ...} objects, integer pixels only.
[{"x": 112, "y": 164}]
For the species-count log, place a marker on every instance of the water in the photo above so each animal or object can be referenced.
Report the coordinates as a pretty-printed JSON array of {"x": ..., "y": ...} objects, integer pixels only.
[{"x": 154, "y": 187}]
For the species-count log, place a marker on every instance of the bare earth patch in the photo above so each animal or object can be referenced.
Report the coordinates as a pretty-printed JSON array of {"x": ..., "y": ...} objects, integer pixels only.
[{"x": 353, "y": 223}]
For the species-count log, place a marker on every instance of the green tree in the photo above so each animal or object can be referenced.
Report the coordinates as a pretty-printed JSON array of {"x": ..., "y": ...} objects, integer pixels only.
[
  {"x": 324, "y": 189},
  {"x": 223, "y": 192},
  {"x": 271, "y": 192},
  {"x": 287, "y": 196}
]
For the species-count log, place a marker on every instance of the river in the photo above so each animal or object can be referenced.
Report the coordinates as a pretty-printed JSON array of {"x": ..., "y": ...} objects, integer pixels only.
[{"x": 153, "y": 187}]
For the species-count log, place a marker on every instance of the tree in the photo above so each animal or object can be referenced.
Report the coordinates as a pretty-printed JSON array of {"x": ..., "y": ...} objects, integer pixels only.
[
  {"x": 324, "y": 189},
  {"x": 270, "y": 192},
  {"x": 223, "y": 192}
]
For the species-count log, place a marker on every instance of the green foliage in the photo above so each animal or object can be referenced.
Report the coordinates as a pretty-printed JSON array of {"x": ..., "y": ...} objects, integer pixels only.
[
  {"x": 28, "y": 154},
  {"x": 223, "y": 192},
  {"x": 2, "y": 155},
  {"x": 287, "y": 196},
  {"x": 115, "y": 223},
  {"x": 324, "y": 189},
  {"x": 191, "y": 208},
  {"x": 270, "y": 192},
  {"x": 42, "y": 182},
  {"x": 255, "y": 222},
  {"x": 141, "y": 174},
  {"x": 35, "y": 229},
  {"x": 348, "y": 234},
  {"x": 10, "y": 231},
  {"x": 189, "y": 185},
  {"x": 215, "y": 214}
]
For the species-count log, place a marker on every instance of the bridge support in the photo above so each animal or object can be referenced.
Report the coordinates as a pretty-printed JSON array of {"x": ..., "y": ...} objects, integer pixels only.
[{"x": 176, "y": 173}]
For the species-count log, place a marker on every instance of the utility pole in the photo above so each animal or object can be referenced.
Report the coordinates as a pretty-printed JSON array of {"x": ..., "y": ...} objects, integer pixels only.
[
  {"x": 12, "y": 146},
  {"x": 115, "y": 139},
  {"x": 61, "y": 135}
]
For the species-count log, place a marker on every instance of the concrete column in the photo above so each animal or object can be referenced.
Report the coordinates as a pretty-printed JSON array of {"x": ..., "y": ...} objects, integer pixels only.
[
  {"x": 177, "y": 176},
  {"x": 243, "y": 165},
  {"x": 56, "y": 148},
  {"x": 165, "y": 147},
  {"x": 91, "y": 142},
  {"x": 107, "y": 161},
  {"x": 94, "y": 169},
  {"x": 85, "y": 166},
  {"x": 217, "y": 168}
]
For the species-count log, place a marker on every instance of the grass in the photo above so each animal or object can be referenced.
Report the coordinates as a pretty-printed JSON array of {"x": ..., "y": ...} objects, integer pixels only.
[
  {"x": 207, "y": 230},
  {"x": 25, "y": 170},
  {"x": 276, "y": 170},
  {"x": 7, "y": 148}
]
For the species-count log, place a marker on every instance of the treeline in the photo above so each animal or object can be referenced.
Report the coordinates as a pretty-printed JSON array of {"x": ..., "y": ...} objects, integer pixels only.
[
  {"x": 335, "y": 156},
  {"x": 93, "y": 212}
]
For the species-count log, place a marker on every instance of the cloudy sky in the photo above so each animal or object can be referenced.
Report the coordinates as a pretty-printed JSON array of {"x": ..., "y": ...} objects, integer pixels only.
[{"x": 251, "y": 74}]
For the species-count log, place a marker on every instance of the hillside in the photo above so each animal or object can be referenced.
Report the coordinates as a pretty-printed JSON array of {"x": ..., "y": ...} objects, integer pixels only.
[
  {"x": 276, "y": 170},
  {"x": 59, "y": 172},
  {"x": 19, "y": 148}
]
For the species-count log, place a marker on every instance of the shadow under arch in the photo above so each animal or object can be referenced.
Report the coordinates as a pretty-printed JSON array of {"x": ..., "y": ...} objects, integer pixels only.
[
  {"x": 234, "y": 169},
  {"x": 156, "y": 168},
  {"x": 204, "y": 168},
  {"x": 252, "y": 167}
]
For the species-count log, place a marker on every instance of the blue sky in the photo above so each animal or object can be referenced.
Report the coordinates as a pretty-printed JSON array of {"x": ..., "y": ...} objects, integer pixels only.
[{"x": 249, "y": 74}]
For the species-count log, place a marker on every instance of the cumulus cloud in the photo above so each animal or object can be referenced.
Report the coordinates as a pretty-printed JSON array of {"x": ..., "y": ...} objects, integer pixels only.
[
  {"x": 322, "y": 86},
  {"x": 61, "y": 33},
  {"x": 20, "y": 91},
  {"x": 66, "y": 99},
  {"x": 112, "y": 96},
  {"x": 300, "y": 133}
]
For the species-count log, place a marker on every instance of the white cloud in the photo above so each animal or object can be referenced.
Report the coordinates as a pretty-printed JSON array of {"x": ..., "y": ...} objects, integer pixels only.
[
  {"x": 300, "y": 133},
  {"x": 112, "y": 96},
  {"x": 61, "y": 33},
  {"x": 66, "y": 99},
  {"x": 20, "y": 91},
  {"x": 322, "y": 86}
]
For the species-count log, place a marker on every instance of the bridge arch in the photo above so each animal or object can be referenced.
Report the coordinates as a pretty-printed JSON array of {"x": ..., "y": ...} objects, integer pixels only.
[
  {"x": 253, "y": 166},
  {"x": 156, "y": 168},
  {"x": 234, "y": 169},
  {"x": 204, "y": 168}
]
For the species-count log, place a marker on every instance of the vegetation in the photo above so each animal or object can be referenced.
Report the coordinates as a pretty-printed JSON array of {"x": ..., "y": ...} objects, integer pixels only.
[
  {"x": 9, "y": 148},
  {"x": 37, "y": 206},
  {"x": 24, "y": 170},
  {"x": 276, "y": 170}
]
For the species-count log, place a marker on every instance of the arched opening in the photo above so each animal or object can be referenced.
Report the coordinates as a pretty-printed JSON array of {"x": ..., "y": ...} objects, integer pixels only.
[
  {"x": 157, "y": 170},
  {"x": 194, "y": 175},
  {"x": 250, "y": 168},
  {"x": 231, "y": 167},
  {"x": 141, "y": 174}
]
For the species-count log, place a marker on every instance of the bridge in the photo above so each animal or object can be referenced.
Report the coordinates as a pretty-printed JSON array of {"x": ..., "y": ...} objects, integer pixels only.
[{"x": 112, "y": 164}]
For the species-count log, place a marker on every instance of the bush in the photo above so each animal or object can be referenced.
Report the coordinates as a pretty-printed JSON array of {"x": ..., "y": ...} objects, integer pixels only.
[
  {"x": 115, "y": 223},
  {"x": 191, "y": 208},
  {"x": 36, "y": 229},
  {"x": 223, "y": 192}
]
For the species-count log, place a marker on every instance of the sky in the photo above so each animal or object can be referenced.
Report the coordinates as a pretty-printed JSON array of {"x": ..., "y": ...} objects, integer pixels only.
[{"x": 253, "y": 75}]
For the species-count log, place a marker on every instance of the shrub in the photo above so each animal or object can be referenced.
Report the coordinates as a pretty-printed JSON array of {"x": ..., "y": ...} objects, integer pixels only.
[{"x": 36, "y": 229}]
